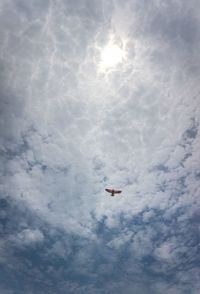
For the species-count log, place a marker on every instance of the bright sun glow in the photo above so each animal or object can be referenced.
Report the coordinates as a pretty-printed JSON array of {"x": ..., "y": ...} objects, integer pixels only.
[{"x": 111, "y": 56}]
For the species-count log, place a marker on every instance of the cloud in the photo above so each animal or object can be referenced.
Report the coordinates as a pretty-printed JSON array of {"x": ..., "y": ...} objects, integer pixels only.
[
  {"x": 165, "y": 251},
  {"x": 59, "y": 249},
  {"x": 69, "y": 130},
  {"x": 29, "y": 237}
]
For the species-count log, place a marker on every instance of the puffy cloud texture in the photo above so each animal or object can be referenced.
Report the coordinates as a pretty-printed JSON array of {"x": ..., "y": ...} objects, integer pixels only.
[{"x": 97, "y": 94}]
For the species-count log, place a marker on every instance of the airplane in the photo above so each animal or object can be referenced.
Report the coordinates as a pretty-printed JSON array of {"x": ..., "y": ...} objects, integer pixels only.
[{"x": 113, "y": 192}]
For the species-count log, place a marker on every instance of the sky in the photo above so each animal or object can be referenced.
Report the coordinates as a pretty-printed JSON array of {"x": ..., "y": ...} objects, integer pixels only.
[{"x": 93, "y": 95}]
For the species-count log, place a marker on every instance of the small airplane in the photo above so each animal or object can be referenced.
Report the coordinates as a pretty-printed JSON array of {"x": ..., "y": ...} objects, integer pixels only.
[{"x": 113, "y": 192}]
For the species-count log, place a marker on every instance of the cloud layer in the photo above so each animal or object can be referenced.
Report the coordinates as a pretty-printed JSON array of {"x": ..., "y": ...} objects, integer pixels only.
[{"x": 70, "y": 128}]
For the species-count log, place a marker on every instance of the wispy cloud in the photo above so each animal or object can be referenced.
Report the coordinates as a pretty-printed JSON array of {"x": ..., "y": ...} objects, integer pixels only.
[{"x": 69, "y": 129}]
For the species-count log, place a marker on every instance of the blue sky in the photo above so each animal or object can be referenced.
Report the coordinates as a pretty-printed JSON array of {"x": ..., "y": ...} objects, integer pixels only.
[{"x": 97, "y": 94}]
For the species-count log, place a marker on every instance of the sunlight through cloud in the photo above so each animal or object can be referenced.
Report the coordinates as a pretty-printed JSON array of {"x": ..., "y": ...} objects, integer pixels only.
[{"x": 111, "y": 56}]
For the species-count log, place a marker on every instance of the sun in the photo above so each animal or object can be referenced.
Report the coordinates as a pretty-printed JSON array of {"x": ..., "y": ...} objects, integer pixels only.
[{"x": 111, "y": 55}]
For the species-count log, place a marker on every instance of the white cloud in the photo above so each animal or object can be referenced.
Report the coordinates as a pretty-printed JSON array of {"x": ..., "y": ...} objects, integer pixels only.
[
  {"x": 28, "y": 237},
  {"x": 147, "y": 215},
  {"x": 122, "y": 239},
  {"x": 132, "y": 120},
  {"x": 165, "y": 251},
  {"x": 142, "y": 243},
  {"x": 59, "y": 249},
  {"x": 69, "y": 131}
]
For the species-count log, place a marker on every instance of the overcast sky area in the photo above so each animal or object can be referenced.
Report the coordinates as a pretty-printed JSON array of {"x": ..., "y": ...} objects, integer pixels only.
[{"x": 93, "y": 95}]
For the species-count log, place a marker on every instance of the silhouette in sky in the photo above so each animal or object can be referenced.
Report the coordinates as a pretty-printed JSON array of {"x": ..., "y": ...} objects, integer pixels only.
[{"x": 113, "y": 192}]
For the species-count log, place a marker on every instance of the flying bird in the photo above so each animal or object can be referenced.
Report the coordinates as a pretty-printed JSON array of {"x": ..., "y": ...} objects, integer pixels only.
[{"x": 113, "y": 192}]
